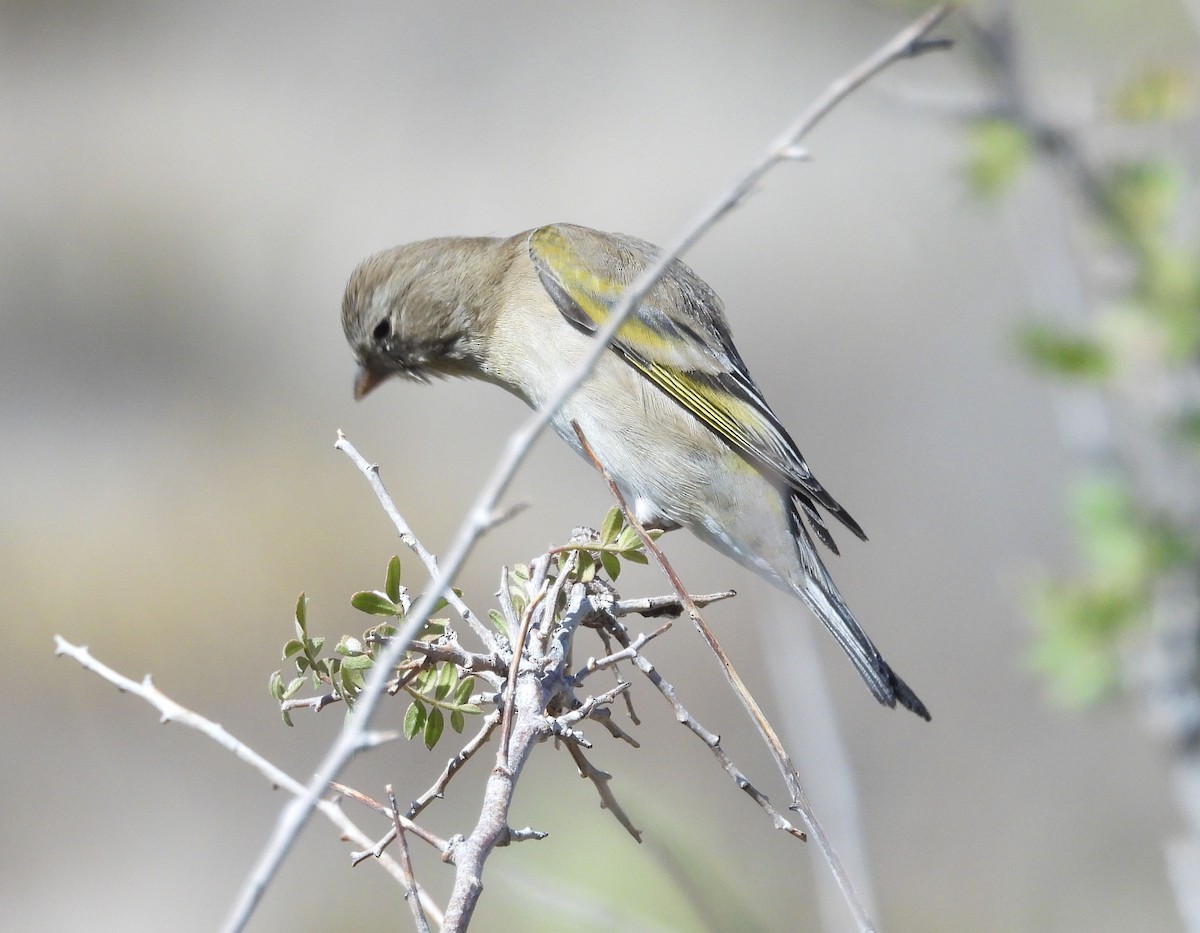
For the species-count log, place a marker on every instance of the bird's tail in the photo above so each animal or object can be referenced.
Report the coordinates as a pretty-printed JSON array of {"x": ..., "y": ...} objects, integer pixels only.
[{"x": 819, "y": 592}]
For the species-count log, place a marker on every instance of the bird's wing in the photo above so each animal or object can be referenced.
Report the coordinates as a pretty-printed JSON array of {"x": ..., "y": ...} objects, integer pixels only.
[{"x": 679, "y": 340}]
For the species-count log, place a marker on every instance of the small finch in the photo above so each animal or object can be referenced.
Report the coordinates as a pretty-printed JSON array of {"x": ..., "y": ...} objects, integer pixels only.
[{"x": 671, "y": 411}]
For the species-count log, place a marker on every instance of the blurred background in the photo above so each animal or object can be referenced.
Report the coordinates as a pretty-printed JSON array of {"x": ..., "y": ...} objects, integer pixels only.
[{"x": 185, "y": 190}]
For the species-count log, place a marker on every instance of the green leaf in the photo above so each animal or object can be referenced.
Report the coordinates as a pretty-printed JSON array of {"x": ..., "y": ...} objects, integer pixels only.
[
  {"x": 1064, "y": 354},
  {"x": 585, "y": 569},
  {"x": 286, "y": 717},
  {"x": 275, "y": 685},
  {"x": 636, "y": 557},
  {"x": 497, "y": 620},
  {"x": 434, "y": 627},
  {"x": 435, "y": 724},
  {"x": 293, "y": 688},
  {"x": 352, "y": 681},
  {"x": 628, "y": 539},
  {"x": 613, "y": 522},
  {"x": 348, "y": 645},
  {"x": 392, "y": 584},
  {"x": 414, "y": 719},
  {"x": 458, "y": 722},
  {"x": 421, "y": 682},
  {"x": 1000, "y": 151},
  {"x": 302, "y": 612},
  {"x": 1144, "y": 195},
  {"x": 357, "y": 662},
  {"x": 375, "y": 603},
  {"x": 611, "y": 564},
  {"x": 1157, "y": 94},
  {"x": 293, "y": 646},
  {"x": 446, "y": 677},
  {"x": 463, "y": 691}
]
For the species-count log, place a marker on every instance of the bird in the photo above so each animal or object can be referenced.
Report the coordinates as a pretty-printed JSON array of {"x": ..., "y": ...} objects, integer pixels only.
[{"x": 671, "y": 411}]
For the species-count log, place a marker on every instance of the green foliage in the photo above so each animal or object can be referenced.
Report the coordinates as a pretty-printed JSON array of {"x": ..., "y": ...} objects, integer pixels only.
[
  {"x": 1148, "y": 330},
  {"x": 437, "y": 689},
  {"x": 1000, "y": 152},
  {"x": 1159, "y": 94},
  {"x": 1082, "y": 622},
  {"x": 616, "y": 541},
  {"x": 1060, "y": 353}
]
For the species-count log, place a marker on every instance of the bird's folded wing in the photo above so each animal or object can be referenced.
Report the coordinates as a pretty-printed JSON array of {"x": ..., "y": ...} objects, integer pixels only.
[{"x": 678, "y": 339}]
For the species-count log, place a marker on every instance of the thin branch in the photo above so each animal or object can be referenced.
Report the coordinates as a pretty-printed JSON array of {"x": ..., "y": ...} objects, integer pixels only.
[
  {"x": 437, "y": 842},
  {"x": 438, "y": 788},
  {"x": 371, "y": 472},
  {"x": 171, "y": 711},
  {"x": 600, "y": 779},
  {"x": 710, "y": 739},
  {"x": 907, "y": 43},
  {"x": 410, "y": 893},
  {"x": 625, "y": 654},
  {"x": 654, "y": 606}
]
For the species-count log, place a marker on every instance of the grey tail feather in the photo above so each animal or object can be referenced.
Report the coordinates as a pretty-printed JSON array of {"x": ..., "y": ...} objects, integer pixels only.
[{"x": 821, "y": 595}]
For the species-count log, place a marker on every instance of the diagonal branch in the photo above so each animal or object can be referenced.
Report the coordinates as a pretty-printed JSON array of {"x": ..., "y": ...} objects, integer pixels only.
[{"x": 909, "y": 42}]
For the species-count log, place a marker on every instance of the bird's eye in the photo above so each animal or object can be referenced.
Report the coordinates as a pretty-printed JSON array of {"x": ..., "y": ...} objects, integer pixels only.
[{"x": 382, "y": 331}]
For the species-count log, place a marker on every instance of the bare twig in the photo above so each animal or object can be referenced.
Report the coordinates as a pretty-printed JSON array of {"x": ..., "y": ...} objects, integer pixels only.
[
  {"x": 410, "y": 893},
  {"x": 600, "y": 779},
  {"x": 672, "y": 606},
  {"x": 710, "y": 739},
  {"x": 172, "y": 711},
  {"x": 907, "y": 43},
  {"x": 371, "y": 472}
]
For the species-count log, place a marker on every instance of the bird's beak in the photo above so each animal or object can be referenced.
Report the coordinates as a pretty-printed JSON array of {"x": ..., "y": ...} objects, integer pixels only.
[{"x": 367, "y": 378}]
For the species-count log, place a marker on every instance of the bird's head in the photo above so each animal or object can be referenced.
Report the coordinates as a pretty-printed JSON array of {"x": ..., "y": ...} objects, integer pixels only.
[{"x": 410, "y": 311}]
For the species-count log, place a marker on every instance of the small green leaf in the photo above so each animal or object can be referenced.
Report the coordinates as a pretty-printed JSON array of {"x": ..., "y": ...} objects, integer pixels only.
[
  {"x": 471, "y": 709},
  {"x": 315, "y": 645},
  {"x": 435, "y": 627},
  {"x": 352, "y": 681},
  {"x": 457, "y": 720},
  {"x": 357, "y": 662},
  {"x": 613, "y": 523},
  {"x": 611, "y": 563},
  {"x": 293, "y": 646},
  {"x": 636, "y": 557},
  {"x": 293, "y": 688},
  {"x": 276, "y": 685},
  {"x": 587, "y": 569},
  {"x": 392, "y": 584},
  {"x": 421, "y": 682},
  {"x": 497, "y": 620},
  {"x": 414, "y": 719},
  {"x": 375, "y": 603},
  {"x": 435, "y": 724},
  {"x": 1063, "y": 353},
  {"x": 1158, "y": 94},
  {"x": 446, "y": 678},
  {"x": 349, "y": 645},
  {"x": 628, "y": 539},
  {"x": 302, "y": 611},
  {"x": 286, "y": 717},
  {"x": 463, "y": 691},
  {"x": 1000, "y": 151}
]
